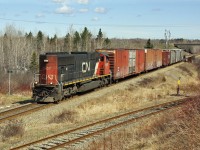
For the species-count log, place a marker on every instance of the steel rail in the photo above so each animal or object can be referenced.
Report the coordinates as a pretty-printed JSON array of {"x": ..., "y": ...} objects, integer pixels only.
[
  {"x": 157, "y": 108},
  {"x": 19, "y": 111}
]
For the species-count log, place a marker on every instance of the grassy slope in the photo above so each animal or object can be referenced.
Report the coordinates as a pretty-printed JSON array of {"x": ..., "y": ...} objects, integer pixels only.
[{"x": 146, "y": 90}]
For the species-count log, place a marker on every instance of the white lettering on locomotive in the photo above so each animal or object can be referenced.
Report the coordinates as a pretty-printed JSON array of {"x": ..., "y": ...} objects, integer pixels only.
[
  {"x": 85, "y": 67},
  {"x": 48, "y": 77}
]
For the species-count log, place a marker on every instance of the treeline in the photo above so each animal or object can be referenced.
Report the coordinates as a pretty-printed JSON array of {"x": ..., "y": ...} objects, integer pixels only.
[{"x": 20, "y": 51}]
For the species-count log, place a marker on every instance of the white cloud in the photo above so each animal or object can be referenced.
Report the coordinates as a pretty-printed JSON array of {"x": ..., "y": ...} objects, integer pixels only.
[
  {"x": 40, "y": 15},
  {"x": 95, "y": 19},
  {"x": 65, "y": 10},
  {"x": 100, "y": 10},
  {"x": 59, "y": 1},
  {"x": 83, "y": 1},
  {"x": 84, "y": 10},
  {"x": 71, "y": 1}
]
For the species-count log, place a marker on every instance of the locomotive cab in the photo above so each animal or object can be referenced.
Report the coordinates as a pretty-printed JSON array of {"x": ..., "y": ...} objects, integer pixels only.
[{"x": 104, "y": 65}]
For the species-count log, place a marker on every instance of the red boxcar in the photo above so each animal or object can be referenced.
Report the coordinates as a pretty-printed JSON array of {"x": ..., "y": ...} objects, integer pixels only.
[
  {"x": 149, "y": 59},
  {"x": 158, "y": 58},
  {"x": 165, "y": 57},
  {"x": 125, "y": 62},
  {"x": 119, "y": 62},
  {"x": 153, "y": 59},
  {"x": 140, "y": 61}
]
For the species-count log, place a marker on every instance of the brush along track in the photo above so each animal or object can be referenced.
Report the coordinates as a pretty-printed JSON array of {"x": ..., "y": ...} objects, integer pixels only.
[
  {"x": 76, "y": 137},
  {"x": 21, "y": 110}
]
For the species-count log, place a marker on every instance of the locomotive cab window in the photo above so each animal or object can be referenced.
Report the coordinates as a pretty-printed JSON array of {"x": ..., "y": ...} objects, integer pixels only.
[
  {"x": 62, "y": 69},
  {"x": 102, "y": 58}
]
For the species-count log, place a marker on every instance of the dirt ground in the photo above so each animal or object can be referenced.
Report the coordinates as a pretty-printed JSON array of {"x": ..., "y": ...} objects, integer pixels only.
[{"x": 141, "y": 91}]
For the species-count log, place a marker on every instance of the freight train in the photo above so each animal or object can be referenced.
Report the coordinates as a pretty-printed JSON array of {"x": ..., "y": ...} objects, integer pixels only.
[{"x": 63, "y": 74}]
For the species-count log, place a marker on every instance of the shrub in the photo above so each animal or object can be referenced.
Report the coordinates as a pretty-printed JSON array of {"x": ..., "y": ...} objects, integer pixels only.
[
  {"x": 146, "y": 81},
  {"x": 64, "y": 116},
  {"x": 20, "y": 82},
  {"x": 185, "y": 69},
  {"x": 13, "y": 128}
]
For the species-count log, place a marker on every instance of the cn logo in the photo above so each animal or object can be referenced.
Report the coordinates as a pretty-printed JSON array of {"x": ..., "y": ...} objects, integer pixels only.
[{"x": 85, "y": 67}]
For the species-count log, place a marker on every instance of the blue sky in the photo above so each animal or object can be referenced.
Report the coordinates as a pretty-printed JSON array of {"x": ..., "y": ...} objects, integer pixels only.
[{"x": 119, "y": 18}]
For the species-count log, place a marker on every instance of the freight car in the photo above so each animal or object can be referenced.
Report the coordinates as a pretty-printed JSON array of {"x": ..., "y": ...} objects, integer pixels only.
[
  {"x": 62, "y": 74},
  {"x": 65, "y": 74},
  {"x": 165, "y": 58},
  {"x": 176, "y": 55}
]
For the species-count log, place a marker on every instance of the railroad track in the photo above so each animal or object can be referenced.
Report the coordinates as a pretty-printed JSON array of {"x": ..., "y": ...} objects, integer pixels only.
[
  {"x": 78, "y": 136},
  {"x": 21, "y": 110}
]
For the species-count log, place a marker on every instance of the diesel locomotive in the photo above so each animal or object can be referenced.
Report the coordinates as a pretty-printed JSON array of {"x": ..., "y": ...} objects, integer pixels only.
[{"x": 64, "y": 74}]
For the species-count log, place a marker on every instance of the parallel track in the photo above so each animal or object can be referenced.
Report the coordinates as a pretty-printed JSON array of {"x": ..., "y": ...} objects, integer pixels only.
[
  {"x": 21, "y": 110},
  {"x": 80, "y": 135}
]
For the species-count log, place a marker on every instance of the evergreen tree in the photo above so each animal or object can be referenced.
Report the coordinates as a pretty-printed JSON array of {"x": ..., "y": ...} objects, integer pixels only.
[
  {"x": 39, "y": 40},
  {"x": 148, "y": 44},
  {"x": 54, "y": 43},
  {"x": 67, "y": 42},
  {"x": 107, "y": 43},
  {"x": 76, "y": 41},
  {"x": 33, "y": 64},
  {"x": 99, "y": 39},
  {"x": 29, "y": 37},
  {"x": 85, "y": 39}
]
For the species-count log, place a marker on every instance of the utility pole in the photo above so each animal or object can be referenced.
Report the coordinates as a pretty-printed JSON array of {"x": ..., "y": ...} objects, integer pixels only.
[
  {"x": 167, "y": 38},
  {"x": 9, "y": 78}
]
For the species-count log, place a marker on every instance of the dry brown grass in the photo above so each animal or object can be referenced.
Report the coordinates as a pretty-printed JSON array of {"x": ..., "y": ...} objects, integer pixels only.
[
  {"x": 177, "y": 129},
  {"x": 186, "y": 70},
  {"x": 13, "y": 128},
  {"x": 64, "y": 116},
  {"x": 151, "y": 88},
  {"x": 9, "y": 99}
]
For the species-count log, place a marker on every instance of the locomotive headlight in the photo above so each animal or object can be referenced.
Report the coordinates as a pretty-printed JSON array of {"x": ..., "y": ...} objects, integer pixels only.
[
  {"x": 36, "y": 82},
  {"x": 51, "y": 83}
]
